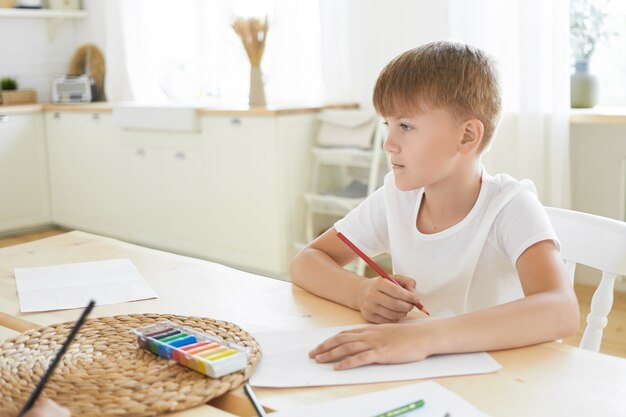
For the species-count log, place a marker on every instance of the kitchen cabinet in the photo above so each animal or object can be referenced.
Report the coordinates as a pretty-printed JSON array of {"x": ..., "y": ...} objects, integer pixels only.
[
  {"x": 257, "y": 174},
  {"x": 163, "y": 190},
  {"x": 85, "y": 178},
  {"x": 230, "y": 191},
  {"x": 23, "y": 172},
  {"x": 598, "y": 155}
]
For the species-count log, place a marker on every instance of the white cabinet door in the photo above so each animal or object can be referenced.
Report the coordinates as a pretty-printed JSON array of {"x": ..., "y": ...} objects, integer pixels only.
[
  {"x": 258, "y": 173},
  {"x": 23, "y": 172},
  {"x": 243, "y": 191},
  {"x": 142, "y": 194},
  {"x": 184, "y": 206},
  {"x": 163, "y": 190},
  {"x": 85, "y": 161}
]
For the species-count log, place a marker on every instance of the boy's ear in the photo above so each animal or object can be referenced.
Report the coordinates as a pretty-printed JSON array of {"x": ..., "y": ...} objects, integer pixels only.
[{"x": 473, "y": 131}]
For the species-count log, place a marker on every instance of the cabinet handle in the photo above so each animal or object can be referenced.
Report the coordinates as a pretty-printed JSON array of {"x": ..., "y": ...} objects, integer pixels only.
[
  {"x": 4, "y": 118},
  {"x": 95, "y": 116},
  {"x": 235, "y": 121},
  {"x": 57, "y": 115},
  {"x": 180, "y": 155},
  {"x": 140, "y": 152}
]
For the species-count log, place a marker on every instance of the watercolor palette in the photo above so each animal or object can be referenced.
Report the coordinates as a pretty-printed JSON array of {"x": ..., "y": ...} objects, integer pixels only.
[{"x": 204, "y": 353}]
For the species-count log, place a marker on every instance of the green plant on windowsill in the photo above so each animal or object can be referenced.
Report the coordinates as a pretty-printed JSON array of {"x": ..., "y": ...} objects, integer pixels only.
[
  {"x": 589, "y": 26},
  {"x": 8, "y": 84}
]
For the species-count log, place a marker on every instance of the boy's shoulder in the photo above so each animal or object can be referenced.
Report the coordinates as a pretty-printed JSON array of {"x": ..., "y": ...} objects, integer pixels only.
[
  {"x": 504, "y": 183},
  {"x": 507, "y": 199}
]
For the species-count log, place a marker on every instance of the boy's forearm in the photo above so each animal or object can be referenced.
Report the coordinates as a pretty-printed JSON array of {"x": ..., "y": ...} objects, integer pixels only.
[
  {"x": 534, "y": 319},
  {"x": 319, "y": 274}
]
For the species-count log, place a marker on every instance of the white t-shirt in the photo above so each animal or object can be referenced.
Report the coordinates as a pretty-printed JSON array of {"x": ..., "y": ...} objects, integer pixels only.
[{"x": 467, "y": 267}]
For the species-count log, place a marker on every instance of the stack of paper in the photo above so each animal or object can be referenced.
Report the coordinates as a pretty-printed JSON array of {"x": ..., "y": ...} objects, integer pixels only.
[{"x": 67, "y": 286}]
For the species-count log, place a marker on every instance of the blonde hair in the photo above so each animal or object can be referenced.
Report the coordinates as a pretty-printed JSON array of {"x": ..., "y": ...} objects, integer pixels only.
[{"x": 454, "y": 76}]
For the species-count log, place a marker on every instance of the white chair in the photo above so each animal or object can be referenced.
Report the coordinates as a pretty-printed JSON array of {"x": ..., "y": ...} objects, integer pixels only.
[{"x": 597, "y": 242}]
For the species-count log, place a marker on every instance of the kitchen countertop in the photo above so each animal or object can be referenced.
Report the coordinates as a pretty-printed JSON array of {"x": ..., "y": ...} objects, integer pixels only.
[
  {"x": 599, "y": 114},
  {"x": 241, "y": 110},
  {"x": 22, "y": 108}
]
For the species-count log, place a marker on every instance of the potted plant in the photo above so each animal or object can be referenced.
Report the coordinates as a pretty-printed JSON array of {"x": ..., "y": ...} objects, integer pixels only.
[
  {"x": 8, "y": 84},
  {"x": 588, "y": 28},
  {"x": 9, "y": 94}
]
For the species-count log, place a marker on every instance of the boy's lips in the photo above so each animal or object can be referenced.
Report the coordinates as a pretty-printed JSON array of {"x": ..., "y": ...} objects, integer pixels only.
[{"x": 394, "y": 165}]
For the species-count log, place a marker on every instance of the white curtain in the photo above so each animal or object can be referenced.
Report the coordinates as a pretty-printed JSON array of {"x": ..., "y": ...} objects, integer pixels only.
[
  {"x": 528, "y": 39},
  {"x": 186, "y": 51},
  {"x": 118, "y": 29},
  {"x": 360, "y": 36}
]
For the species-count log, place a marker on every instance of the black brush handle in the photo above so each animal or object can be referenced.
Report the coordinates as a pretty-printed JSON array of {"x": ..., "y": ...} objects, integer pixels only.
[{"x": 42, "y": 382}]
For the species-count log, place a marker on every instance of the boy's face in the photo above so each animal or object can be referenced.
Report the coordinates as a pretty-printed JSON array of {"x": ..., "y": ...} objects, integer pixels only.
[{"x": 423, "y": 147}]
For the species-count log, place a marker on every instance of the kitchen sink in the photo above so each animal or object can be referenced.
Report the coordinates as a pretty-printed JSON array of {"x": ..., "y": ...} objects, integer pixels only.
[{"x": 181, "y": 118}]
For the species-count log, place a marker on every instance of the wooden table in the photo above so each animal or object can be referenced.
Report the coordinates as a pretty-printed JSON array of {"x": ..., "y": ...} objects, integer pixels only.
[{"x": 544, "y": 380}]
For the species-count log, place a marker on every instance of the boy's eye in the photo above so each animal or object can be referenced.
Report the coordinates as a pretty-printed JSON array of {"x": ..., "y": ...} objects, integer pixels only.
[{"x": 405, "y": 127}]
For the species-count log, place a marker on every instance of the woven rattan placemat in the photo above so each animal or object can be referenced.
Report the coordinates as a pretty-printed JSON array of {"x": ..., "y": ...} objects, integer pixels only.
[{"x": 105, "y": 373}]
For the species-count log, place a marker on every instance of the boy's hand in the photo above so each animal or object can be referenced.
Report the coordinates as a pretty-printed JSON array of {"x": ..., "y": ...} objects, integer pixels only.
[
  {"x": 47, "y": 408},
  {"x": 384, "y": 343},
  {"x": 382, "y": 301}
]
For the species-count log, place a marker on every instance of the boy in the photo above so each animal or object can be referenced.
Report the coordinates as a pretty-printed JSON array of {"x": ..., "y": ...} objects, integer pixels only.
[{"x": 459, "y": 238}]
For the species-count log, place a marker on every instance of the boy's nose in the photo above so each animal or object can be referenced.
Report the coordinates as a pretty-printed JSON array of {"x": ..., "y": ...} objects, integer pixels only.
[{"x": 389, "y": 144}]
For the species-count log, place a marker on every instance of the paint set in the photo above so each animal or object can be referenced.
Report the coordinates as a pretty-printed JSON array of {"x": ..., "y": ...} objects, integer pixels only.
[{"x": 204, "y": 353}]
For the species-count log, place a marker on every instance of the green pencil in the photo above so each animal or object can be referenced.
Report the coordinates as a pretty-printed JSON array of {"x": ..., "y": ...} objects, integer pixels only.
[{"x": 402, "y": 410}]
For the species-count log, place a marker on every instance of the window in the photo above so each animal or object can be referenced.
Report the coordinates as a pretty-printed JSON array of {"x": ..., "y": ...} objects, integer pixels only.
[
  {"x": 187, "y": 51},
  {"x": 608, "y": 62}
]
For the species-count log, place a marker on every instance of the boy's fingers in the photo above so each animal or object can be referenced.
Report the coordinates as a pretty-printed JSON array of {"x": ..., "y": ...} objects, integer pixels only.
[
  {"x": 400, "y": 293},
  {"x": 342, "y": 351},
  {"x": 363, "y": 358},
  {"x": 391, "y": 314},
  {"x": 331, "y": 343},
  {"x": 377, "y": 318},
  {"x": 405, "y": 282}
]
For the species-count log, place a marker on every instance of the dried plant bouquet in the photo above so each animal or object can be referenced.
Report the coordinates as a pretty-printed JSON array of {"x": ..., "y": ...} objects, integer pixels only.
[{"x": 253, "y": 32}]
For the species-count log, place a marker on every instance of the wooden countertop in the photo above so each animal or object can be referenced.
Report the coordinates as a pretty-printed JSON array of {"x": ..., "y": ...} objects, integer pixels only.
[
  {"x": 596, "y": 115},
  {"x": 599, "y": 115},
  {"x": 230, "y": 110}
]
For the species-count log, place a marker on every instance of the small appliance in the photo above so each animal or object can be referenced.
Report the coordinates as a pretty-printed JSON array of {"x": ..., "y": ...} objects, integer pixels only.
[
  {"x": 71, "y": 89},
  {"x": 29, "y": 4}
]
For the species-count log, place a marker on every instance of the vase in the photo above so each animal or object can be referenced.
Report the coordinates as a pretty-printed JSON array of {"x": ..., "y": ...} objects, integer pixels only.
[
  {"x": 584, "y": 87},
  {"x": 257, "y": 95}
]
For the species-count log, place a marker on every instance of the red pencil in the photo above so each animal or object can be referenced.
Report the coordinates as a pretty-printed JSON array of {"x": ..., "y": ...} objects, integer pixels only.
[{"x": 375, "y": 266}]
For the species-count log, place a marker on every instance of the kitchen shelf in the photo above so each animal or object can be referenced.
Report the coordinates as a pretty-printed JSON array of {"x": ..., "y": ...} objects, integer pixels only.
[
  {"x": 44, "y": 13},
  {"x": 54, "y": 17}
]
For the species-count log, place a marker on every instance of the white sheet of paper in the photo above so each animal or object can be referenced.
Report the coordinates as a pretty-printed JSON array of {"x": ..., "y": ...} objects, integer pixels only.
[
  {"x": 285, "y": 362},
  {"x": 438, "y": 402},
  {"x": 61, "y": 287}
]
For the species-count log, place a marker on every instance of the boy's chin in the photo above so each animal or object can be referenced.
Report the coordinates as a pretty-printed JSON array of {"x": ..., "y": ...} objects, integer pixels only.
[{"x": 405, "y": 186}]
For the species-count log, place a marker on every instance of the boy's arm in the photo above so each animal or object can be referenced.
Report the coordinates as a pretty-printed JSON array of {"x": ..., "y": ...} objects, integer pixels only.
[
  {"x": 318, "y": 268},
  {"x": 548, "y": 311}
]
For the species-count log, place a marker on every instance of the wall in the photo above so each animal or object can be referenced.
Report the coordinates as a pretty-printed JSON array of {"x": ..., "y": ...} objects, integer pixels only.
[
  {"x": 29, "y": 55},
  {"x": 359, "y": 37}
]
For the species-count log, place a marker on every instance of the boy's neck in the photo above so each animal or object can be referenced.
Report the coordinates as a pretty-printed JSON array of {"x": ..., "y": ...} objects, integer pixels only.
[{"x": 447, "y": 202}]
